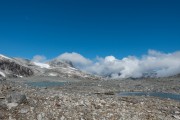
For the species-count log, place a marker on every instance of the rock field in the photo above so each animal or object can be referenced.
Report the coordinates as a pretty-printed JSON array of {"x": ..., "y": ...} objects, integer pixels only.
[{"x": 87, "y": 100}]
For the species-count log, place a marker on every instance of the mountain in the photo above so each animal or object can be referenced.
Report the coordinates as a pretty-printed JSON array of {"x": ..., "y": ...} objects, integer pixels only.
[
  {"x": 19, "y": 67},
  {"x": 59, "y": 63},
  {"x": 9, "y": 67}
]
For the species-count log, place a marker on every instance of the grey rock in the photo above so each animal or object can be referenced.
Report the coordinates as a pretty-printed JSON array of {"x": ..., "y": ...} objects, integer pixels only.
[
  {"x": 16, "y": 98},
  {"x": 41, "y": 116},
  {"x": 177, "y": 117},
  {"x": 3, "y": 106},
  {"x": 1, "y": 116},
  {"x": 12, "y": 105},
  {"x": 24, "y": 110}
]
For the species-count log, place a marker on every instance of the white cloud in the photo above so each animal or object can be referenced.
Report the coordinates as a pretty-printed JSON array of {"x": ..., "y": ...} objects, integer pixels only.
[
  {"x": 77, "y": 59},
  {"x": 39, "y": 58},
  {"x": 154, "y": 63},
  {"x": 116, "y": 68}
]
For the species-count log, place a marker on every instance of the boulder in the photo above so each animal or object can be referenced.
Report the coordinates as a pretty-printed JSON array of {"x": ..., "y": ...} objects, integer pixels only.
[
  {"x": 3, "y": 106},
  {"x": 16, "y": 98}
]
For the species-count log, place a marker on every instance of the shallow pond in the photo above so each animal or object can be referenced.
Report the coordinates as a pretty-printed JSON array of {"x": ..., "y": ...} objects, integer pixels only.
[
  {"x": 154, "y": 94},
  {"x": 46, "y": 84}
]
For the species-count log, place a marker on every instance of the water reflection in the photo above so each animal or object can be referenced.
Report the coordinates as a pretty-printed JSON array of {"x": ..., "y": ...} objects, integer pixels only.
[{"x": 154, "y": 94}]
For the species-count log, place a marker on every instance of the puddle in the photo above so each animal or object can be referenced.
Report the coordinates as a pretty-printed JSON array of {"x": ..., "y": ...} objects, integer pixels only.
[
  {"x": 153, "y": 94},
  {"x": 45, "y": 84}
]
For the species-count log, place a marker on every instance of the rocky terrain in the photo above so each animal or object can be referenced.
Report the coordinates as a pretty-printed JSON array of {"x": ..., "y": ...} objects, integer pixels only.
[{"x": 81, "y": 99}]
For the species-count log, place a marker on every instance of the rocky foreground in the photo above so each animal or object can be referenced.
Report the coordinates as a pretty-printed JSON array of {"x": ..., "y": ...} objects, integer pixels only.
[{"x": 86, "y": 100}]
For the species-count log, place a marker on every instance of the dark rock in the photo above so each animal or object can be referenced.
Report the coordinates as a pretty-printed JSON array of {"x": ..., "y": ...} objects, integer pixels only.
[
  {"x": 106, "y": 93},
  {"x": 2, "y": 79},
  {"x": 60, "y": 63},
  {"x": 109, "y": 93}
]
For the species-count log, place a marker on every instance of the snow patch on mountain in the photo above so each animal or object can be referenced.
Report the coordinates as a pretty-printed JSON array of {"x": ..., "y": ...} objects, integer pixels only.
[
  {"x": 42, "y": 65},
  {"x": 2, "y": 74},
  {"x": 52, "y": 74}
]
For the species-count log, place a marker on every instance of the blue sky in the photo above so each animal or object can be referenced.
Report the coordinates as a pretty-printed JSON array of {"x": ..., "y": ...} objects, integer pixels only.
[{"x": 89, "y": 27}]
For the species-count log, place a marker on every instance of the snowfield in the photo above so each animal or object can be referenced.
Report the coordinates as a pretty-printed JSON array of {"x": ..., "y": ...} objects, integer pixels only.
[{"x": 42, "y": 65}]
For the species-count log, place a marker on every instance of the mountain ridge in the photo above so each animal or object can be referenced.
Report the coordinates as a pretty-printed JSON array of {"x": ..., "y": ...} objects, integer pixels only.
[{"x": 19, "y": 67}]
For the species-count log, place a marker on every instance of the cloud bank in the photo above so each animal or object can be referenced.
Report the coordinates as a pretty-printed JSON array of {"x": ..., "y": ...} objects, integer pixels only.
[{"x": 153, "y": 64}]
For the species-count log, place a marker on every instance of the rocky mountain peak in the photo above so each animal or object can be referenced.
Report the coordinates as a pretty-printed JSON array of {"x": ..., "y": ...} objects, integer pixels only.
[
  {"x": 9, "y": 67},
  {"x": 60, "y": 63}
]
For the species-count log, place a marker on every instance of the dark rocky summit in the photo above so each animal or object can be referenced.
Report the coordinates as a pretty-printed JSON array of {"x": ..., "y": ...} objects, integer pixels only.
[{"x": 14, "y": 69}]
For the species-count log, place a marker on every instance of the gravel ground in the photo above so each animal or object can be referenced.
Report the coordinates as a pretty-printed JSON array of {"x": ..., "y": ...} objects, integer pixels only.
[{"x": 88, "y": 99}]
